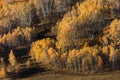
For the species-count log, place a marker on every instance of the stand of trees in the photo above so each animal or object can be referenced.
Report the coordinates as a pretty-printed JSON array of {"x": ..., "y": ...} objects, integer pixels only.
[
  {"x": 86, "y": 59},
  {"x": 85, "y": 22},
  {"x": 18, "y": 37},
  {"x": 87, "y": 40},
  {"x": 111, "y": 41},
  {"x": 28, "y": 12}
]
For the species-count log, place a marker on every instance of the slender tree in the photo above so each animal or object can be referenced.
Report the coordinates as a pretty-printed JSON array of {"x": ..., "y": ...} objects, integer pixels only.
[{"x": 12, "y": 59}]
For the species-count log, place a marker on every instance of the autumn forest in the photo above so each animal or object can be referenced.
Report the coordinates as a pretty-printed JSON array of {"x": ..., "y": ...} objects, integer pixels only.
[{"x": 79, "y": 37}]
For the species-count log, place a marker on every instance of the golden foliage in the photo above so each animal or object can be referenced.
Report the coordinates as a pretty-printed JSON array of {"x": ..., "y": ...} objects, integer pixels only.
[
  {"x": 43, "y": 51},
  {"x": 28, "y": 63},
  {"x": 3, "y": 72},
  {"x": 12, "y": 59},
  {"x": 13, "y": 15},
  {"x": 85, "y": 57},
  {"x": 18, "y": 37},
  {"x": 105, "y": 50},
  {"x": 100, "y": 62},
  {"x": 84, "y": 22},
  {"x": 111, "y": 41},
  {"x": 111, "y": 34}
]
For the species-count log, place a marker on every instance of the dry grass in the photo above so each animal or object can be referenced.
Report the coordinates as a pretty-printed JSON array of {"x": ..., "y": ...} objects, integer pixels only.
[{"x": 107, "y": 76}]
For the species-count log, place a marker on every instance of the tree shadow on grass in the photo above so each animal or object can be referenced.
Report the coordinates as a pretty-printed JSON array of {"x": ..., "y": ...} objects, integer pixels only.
[{"x": 27, "y": 72}]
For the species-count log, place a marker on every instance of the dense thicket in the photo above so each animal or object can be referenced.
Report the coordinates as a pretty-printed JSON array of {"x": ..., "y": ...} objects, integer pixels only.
[
  {"x": 44, "y": 51},
  {"x": 87, "y": 38},
  {"x": 18, "y": 37},
  {"x": 110, "y": 40},
  {"x": 85, "y": 22},
  {"x": 86, "y": 59},
  {"x": 15, "y": 13},
  {"x": 25, "y": 13}
]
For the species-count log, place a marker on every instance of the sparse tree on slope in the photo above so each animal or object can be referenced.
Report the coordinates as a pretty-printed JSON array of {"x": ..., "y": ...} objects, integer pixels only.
[{"x": 12, "y": 59}]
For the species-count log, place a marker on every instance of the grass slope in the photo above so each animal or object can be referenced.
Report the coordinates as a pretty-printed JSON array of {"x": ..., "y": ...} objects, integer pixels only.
[{"x": 105, "y": 76}]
